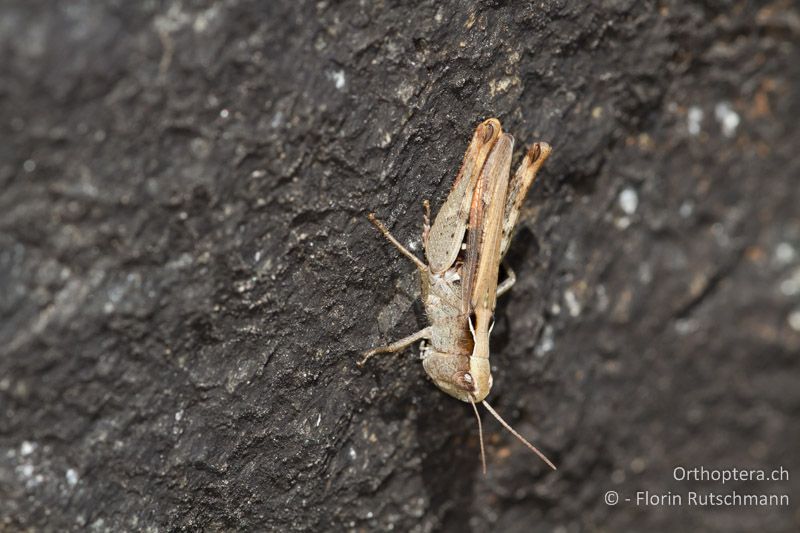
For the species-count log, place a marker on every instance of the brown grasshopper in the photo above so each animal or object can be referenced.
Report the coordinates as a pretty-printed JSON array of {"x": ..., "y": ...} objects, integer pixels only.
[{"x": 464, "y": 248}]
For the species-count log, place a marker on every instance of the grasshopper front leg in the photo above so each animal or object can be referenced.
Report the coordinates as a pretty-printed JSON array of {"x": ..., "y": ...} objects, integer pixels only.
[
  {"x": 403, "y": 250},
  {"x": 397, "y": 346},
  {"x": 511, "y": 279}
]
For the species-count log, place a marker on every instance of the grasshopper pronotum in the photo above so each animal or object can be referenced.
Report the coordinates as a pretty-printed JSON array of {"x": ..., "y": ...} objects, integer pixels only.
[{"x": 464, "y": 248}]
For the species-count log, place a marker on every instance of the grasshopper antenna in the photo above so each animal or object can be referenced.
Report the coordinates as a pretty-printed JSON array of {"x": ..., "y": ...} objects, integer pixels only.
[
  {"x": 480, "y": 434},
  {"x": 513, "y": 432}
]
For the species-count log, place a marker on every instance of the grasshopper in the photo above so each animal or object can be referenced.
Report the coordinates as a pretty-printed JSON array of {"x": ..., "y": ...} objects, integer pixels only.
[{"x": 464, "y": 248}]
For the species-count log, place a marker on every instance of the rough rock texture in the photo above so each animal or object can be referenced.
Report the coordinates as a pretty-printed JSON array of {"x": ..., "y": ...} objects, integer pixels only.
[{"x": 187, "y": 275}]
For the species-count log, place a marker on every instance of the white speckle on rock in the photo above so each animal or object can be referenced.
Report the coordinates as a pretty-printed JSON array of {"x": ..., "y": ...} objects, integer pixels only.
[
  {"x": 628, "y": 200},
  {"x": 27, "y": 448},
  {"x": 338, "y": 78},
  {"x": 791, "y": 285},
  {"x": 645, "y": 273},
  {"x": 547, "y": 342},
  {"x": 179, "y": 415},
  {"x": 794, "y": 320},
  {"x": 25, "y": 471},
  {"x": 573, "y": 306},
  {"x": 720, "y": 234},
  {"x": 694, "y": 120},
  {"x": 173, "y": 20},
  {"x": 224, "y": 113},
  {"x": 352, "y": 453},
  {"x": 29, "y": 165},
  {"x": 277, "y": 119},
  {"x": 602, "y": 298},
  {"x": 405, "y": 91},
  {"x": 784, "y": 253},
  {"x": 622, "y": 222},
  {"x": 501, "y": 85},
  {"x": 686, "y": 326},
  {"x": 200, "y": 147},
  {"x": 727, "y": 118},
  {"x": 686, "y": 209},
  {"x": 116, "y": 293},
  {"x": 202, "y": 21},
  {"x": 72, "y": 477}
]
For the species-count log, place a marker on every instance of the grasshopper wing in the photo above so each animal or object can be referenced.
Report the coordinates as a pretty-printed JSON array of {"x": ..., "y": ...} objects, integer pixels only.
[
  {"x": 518, "y": 190},
  {"x": 447, "y": 232},
  {"x": 482, "y": 261}
]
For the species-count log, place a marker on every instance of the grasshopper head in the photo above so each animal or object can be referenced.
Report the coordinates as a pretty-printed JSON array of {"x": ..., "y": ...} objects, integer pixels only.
[{"x": 466, "y": 378}]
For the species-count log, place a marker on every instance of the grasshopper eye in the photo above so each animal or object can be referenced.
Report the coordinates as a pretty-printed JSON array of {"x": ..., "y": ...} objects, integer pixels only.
[{"x": 464, "y": 381}]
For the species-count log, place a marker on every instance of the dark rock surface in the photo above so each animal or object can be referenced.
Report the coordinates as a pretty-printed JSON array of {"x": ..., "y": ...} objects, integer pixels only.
[{"x": 187, "y": 275}]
